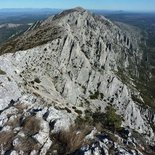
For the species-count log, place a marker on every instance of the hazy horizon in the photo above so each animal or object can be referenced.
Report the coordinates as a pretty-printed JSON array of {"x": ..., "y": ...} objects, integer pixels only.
[
  {"x": 52, "y": 9},
  {"x": 112, "y": 5}
]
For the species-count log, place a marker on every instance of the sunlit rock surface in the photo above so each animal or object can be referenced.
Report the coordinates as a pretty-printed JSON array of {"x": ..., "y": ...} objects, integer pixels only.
[{"x": 79, "y": 68}]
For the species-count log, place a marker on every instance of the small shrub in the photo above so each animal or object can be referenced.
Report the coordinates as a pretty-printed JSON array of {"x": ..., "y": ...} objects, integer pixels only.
[
  {"x": 27, "y": 145},
  {"x": 2, "y": 72},
  {"x": 6, "y": 139},
  {"x": 113, "y": 120},
  {"x": 136, "y": 99},
  {"x": 102, "y": 95},
  {"x": 78, "y": 111},
  {"x": 31, "y": 125},
  {"x": 99, "y": 117},
  {"x": 21, "y": 107},
  {"x": 73, "y": 107},
  {"x": 95, "y": 95},
  {"x": 84, "y": 89},
  {"x": 9, "y": 79},
  {"x": 68, "y": 110},
  {"x": 14, "y": 123},
  {"x": 67, "y": 142},
  {"x": 109, "y": 120},
  {"x": 37, "y": 80}
]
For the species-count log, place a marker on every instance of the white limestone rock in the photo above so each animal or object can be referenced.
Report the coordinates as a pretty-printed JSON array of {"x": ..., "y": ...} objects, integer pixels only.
[{"x": 52, "y": 78}]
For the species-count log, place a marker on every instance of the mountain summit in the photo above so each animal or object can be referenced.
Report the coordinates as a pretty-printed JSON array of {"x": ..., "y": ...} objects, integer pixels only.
[{"x": 67, "y": 87}]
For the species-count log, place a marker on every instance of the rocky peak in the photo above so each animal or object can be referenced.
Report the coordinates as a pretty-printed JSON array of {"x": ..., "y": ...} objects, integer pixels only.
[{"x": 80, "y": 9}]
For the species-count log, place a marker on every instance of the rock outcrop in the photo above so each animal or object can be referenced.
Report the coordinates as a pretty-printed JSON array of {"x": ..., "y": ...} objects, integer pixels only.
[{"x": 71, "y": 63}]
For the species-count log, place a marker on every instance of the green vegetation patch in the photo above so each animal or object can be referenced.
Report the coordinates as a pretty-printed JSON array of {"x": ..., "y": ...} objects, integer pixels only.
[
  {"x": 96, "y": 95},
  {"x": 78, "y": 111},
  {"x": 37, "y": 80},
  {"x": 110, "y": 119},
  {"x": 2, "y": 72}
]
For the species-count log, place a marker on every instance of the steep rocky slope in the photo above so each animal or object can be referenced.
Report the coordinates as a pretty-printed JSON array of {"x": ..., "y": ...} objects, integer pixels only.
[{"x": 72, "y": 64}]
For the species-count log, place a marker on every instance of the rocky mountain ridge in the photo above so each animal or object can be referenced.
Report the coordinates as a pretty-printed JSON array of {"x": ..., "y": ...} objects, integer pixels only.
[{"x": 69, "y": 65}]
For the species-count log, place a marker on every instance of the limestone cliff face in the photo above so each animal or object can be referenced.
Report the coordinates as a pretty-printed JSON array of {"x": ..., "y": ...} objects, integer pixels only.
[{"x": 79, "y": 65}]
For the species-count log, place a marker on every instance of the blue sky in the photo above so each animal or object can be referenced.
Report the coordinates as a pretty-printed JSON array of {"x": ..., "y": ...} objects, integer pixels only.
[{"x": 136, "y": 5}]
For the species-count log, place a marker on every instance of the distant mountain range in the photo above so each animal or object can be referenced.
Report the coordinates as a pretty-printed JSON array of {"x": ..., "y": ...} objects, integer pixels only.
[
  {"x": 28, "y": 9},
  {"x": 58, "y": 10},
  {"x": 54, "y": 10}
]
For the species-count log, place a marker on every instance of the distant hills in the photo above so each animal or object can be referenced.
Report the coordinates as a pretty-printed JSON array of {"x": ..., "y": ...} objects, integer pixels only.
[
  {"x": 55, "y": 11},
  {"x": 30, "y": 10}
]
